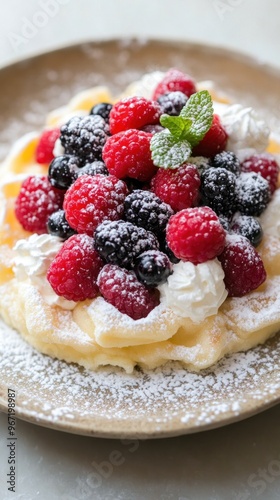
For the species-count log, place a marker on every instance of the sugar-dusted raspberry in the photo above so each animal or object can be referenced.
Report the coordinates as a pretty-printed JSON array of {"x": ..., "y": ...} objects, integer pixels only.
[
  {"x": 36, "y": 201},
  {"x": 264, "y": 164},
  {"x": 45, "y": 147},
  {"x": 174, "y": 80},
  {"x": 214, "y": 141},
  {"x": 74, "y": 270},
  {"x": 122, "y": 289},
  {"x": 195, "y": 235},
  {"x": 178, "y": 187},
  {"x": 93, "y": 199},
  {"x": 120, "y": 242},
  {"x": 133, "y": 112},
  {"x": 242, "y": 265},
  {"x": 128, "y": 154}
]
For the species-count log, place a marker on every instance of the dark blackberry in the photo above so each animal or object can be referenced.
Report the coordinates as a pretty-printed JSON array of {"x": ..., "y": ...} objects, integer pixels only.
[
  {"x": 152, "y": 268},
  {"x": 85, "y": 137},
  {"x": 225, "y": 222},
  {"x": 172, "y": 103},
  {"x": 133, "y": 184},
  {"x": 102, "y": 109},
  {"x": 218, "y": 190},
  {"x": 253, "y": 193},
  {"x": 145, "y": 209},
  {"x": 63, "y": 171},
  {"x": 96, "y": 167},
  {"x": 248, "y": 226},
  {"x": 57, "y": 225},
  {"x": 120, "y": 242},
  {"x": 227, "y": 160}
]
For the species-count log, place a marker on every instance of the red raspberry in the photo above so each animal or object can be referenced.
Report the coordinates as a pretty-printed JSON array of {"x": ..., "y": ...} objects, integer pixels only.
[
  {"x": 44, "y": 150},
  {"x": 36, "y": 201},
  {"x": 122, "y": 289},
  {"x": 214, "y": 141},
  {"x": 133, "y": 112},
  {"x": 242, "y": 265},
  {"x": 178, "y": 187},
  {"x": 174, "y": 80},
  {"x": 128, "y": 154},
  {"x": 264, "y": 164},
  {"x": 74, "y": 270},
  {"x": 195, "y": 234},
  {"x": 93, "y": 199}
]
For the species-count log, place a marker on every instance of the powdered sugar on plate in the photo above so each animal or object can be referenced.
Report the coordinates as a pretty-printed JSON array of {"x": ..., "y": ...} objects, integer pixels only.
[{"x": 111, "y": 403}]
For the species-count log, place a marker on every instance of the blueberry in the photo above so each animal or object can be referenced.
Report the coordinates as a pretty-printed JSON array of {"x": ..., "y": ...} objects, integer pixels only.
[
  {"x": 63, "y": 171},
  {"x": 152, "y": 268},
  {"x": 57, "y": 225},
  {"x": 103, "y": 109},
  {"x": 249, "y": 227}
]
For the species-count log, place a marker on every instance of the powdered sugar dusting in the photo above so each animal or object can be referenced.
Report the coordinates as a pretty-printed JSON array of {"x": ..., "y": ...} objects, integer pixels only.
[{"x": 111, "y": 402}]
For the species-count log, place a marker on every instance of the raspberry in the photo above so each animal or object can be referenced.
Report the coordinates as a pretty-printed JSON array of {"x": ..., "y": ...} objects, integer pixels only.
[
  {"x": 145, "y": 209},
  {"x": 121, "y": 288},
  {"x": 36, "y": 201},
  {"x": 128, "y": 154},
  {"x": 172, "y": 103},
  {"x": 153, "y": 268},
  {"x": 178, "y": 187},
  {"x": 214, "y": 141},
  {"x": 74, "y": 270},
  {"x": 195, "y": 234},
  {"x": 218, "y": 190},
  {"x": 85, "y": 137},
  {"x": 93, "y": 199},
  {"x": 45, "y": 147},
  {"x": 248, "y": 226},
  {"x": 133, "y": 112},
  {"x": 242, "y": 265},
  {"x": 264, "y": 164},
  {"x": 227, "y": 160},
  {"x": 174, "y": 80},
  {"x": 253, "y": 193},
  {"x": 121, "y": 242}
]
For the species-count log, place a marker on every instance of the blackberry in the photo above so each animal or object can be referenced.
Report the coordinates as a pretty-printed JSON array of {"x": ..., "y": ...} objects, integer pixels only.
[
  {"x": 227, "y": 160},
  {"x": 152, "y": 129},
  {"x": 57, "y": 225},
  {"x": 63, "y": 171},
  {"x": 248, "y": 226},
  {"x": 85, "y": 137},
  {"x": 218, "y": 190},
  {"x": 102, "y": 109},
  {"x": 145, "y": 209},
  {"x": 225, "y": 222},
  {"x": 172, "y": 103},
  {"x": 253, "y": 193},
  {"x": 94, "y": 168},
  {"x": 133, "y": 184},
  {"x": 120, "y": 242},
  {"x": 152, "y": 268}
]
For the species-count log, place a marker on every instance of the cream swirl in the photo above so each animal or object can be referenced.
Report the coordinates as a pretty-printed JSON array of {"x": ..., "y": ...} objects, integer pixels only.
[
  {"x": 33, "y": 257},
  {"x": 194, "y": 291},
  {"x": 244, "y": 128}
]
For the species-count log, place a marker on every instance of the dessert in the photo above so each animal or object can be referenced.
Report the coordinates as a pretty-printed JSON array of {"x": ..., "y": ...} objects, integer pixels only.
[{"x": 144, "y": 228}]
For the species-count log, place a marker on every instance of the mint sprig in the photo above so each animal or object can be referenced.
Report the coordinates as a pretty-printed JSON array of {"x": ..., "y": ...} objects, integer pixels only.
[{"x": 172, "y": 147}]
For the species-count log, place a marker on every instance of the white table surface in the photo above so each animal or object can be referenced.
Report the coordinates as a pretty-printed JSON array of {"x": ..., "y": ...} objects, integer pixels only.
[{"x": 237, "y": 462}]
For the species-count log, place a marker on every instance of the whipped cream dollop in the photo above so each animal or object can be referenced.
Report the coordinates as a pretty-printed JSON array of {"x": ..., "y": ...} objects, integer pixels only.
[
  {"x": 244, "y": 127},
  {"x": 194, "y": 291},
  {"x": 270, "y": 220},
  {"x": 33, "y": 257},
  {"x": 146, "y": 85}
]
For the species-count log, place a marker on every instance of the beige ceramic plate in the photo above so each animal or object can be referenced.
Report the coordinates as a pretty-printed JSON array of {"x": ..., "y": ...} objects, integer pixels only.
[{"x": 109, "y": 403}]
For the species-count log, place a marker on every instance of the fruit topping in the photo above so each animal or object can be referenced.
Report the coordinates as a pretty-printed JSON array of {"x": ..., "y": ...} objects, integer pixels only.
[
  {"x": 57, "y": 225},
  {"x": 153, "y": 268},
  {"x": 122, "y": 289},
  {"x": 174, "y": 80},
  {"x": 93, "y": 199},
  {"x": 63, "y": 171},
  {"x": 172, "y": 103},
  {"x": 96, "y": 167},
  {"x": 214, "y": 141},
  {"x": 253, "y": 193},
  {"x": 73, "y": 272},
  {"x": 249, "y": 227},
  {"x": 218, "y": 190},
  {"x": 133, "y": 112},
  {"x": 227, "y": 160},
  {"x": 44, "y": 151},
  {"x": 145, "y": 209},
  {"x": 265, "y": 165},
  {"x": 102, "y": 109}
]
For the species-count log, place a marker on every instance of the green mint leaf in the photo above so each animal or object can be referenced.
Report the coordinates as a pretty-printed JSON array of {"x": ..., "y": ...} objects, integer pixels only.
[
  {"x": 168, "y": 151},
  {"x": 177, "y": 125},
  {"x": 198, "y": 109}
]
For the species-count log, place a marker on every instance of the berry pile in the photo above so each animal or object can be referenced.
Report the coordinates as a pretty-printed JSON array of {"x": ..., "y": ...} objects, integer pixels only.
[{"x": 125, "y": 219}]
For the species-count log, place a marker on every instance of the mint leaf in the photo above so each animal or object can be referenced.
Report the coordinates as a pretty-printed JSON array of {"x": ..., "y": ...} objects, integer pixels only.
[
  {"x": 177, "y": 125},
  {"x": 168, "y": 151},
  {"x": 198, "y": 109}
]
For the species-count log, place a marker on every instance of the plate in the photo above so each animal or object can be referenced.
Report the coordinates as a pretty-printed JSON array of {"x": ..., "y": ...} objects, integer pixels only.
[{"x": 110, "y": 403}]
